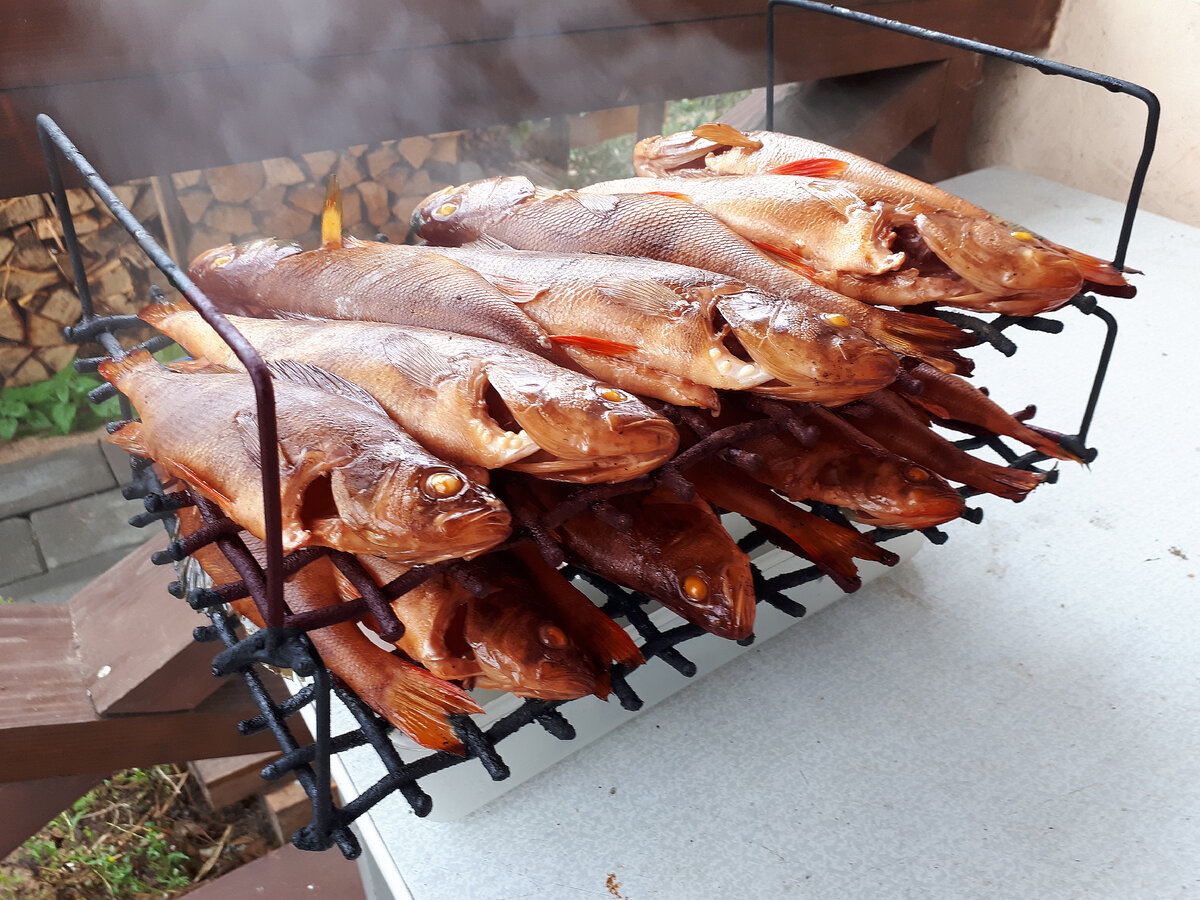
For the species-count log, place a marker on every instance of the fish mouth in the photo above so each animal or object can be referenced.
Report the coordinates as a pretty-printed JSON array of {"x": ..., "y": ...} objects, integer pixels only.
[{"x": 467, "y": 533}]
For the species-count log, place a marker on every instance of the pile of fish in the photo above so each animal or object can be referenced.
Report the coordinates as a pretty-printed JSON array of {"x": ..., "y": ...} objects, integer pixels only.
[{"x": 590, "y": 377}]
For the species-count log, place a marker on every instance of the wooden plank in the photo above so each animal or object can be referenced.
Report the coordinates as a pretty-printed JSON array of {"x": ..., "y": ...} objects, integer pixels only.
[
  {"x": 602, "y": 125},
  {"x": 29, "y": 805},
  {"x": 48, "y": 725},
  {"x": 948, "y": 144},
  {"x": 138, "y": 115},
  {"x": 41, "y": 748},
  {"x": 288, "y": 874},
  {"x": 231, "y": 779},
  {"x": 136, "y": 652}
]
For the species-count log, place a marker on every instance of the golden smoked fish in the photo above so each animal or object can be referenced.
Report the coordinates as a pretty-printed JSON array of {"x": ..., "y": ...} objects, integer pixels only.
[
  {"x": 410, "y": 698},
  {"x": 447, "y": 390},
  {"x": 667, "y": 315},
  {"x": 875, "y": 251},
  {"x": 716, "y": 149},
  {"x": 671, "y": 230},
  {"x": 349, "y": 477}
]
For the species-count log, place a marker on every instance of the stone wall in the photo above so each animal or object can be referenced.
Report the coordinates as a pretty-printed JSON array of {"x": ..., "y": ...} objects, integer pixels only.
[{"x": 190, "y": 212}]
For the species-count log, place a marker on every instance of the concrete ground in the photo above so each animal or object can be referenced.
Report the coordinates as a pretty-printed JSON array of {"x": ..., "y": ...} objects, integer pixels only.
[{"x": 63, "y": 520}]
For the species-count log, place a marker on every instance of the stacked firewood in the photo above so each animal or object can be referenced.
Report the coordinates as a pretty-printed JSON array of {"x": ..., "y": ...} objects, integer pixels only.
[
  {"x": 381, "y": 185},
  {"x": 37, "y": 292}
]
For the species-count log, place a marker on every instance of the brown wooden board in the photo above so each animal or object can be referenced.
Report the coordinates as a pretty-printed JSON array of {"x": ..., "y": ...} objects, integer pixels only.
[
  {"x": 177, "y": 86},
  {"x": 135, "y": 640},
  {"x": 48, "y": 725},
  {"x": 29, "y": 805}
]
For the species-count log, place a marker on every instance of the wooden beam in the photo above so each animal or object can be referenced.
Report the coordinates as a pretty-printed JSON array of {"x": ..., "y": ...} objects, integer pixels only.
[
  {"x": 135, "y": 647},
  {"x": 29, "y": 805},
  {"x": 49, "y": 727}
]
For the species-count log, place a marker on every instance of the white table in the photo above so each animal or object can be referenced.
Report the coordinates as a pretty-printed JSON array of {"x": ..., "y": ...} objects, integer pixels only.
[{"x": 1013, "y": 715}]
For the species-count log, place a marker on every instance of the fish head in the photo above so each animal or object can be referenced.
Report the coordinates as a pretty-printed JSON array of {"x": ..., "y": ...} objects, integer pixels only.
[
  {"x": 671, "y": 153},
  {"x": 419, "y": 512},
  {"x": 818, "y": 356},
  {"x": 458, "y": 215},
  {"x": 997, "y": 260},
  {"x": 697, "y": 568},
  {"x": 526, "y": 652},
  {"x": 574, "y": 417},
  {"x": 230, "y": 272},
  {"x": 889, "y": 492}
]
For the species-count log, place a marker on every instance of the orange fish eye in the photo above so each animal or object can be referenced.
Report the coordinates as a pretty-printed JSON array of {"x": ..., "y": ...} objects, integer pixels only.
[
  {"x": 443, "y": 485},
  {"x": 553, "y": 637},
  {"x": 1022, "y": 235},
  {"x": 917, "y": 474},
  {"x": 695, "y": 587},
  {"x": 446, "y": 209},
  {"x": 223, "y": 260},
  {"x": 837, "y": 320},
  {"x": 613, "y": 395}
]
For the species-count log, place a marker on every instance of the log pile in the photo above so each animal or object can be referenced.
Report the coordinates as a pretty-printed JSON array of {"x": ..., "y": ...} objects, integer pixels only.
[
  {"x": 37, "y": 290},
  {"x": 190, "y": 212}
]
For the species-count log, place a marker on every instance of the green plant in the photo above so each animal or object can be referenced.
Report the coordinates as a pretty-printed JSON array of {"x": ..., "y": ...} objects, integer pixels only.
[{"x": 58, "y": 405}]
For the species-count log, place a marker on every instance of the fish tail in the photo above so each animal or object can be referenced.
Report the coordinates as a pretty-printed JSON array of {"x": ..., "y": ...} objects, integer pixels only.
[
  {"x": 113, "y": 370},
  {"x": 927, "y": 338},
  {"x": 157, "y": 313},
  {"x": 331, "y": 216},
  {"x": 817, "y": 167},
  {"x": 130, "y": 438},
  {"x": 1011, "y": 484},
  {"x": 1092, "y": 268},
  {"x": 720, "y": 133},
  {"x": 420, "y": 704}
]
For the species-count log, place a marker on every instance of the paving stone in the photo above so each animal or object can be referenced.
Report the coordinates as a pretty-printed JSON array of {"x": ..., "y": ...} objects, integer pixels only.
[
  {"x": 19, "y": 557},
  {"x": 61, "y": 584},
  {"x": 118, "y": 462},
  {"x": 80, "y": 528},
  {"x": 42, "y": 481}
]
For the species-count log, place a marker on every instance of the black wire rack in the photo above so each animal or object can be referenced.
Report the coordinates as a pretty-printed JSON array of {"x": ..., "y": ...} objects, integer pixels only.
[{"x": 283, "y": 642}]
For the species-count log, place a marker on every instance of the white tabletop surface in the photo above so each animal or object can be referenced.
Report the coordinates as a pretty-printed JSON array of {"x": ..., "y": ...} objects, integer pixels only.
[{"x": 1014, "y": 715}]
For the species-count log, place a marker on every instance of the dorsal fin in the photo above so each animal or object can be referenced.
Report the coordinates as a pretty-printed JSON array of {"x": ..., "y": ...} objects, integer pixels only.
[
  {"x": 515, "y": 289},
  {"x": 641, "y": 294},
  {"x": 598, "y": 204},
  {"x": 415, "y": 360},
  {"x": 331, "y": 216},
  {"x": 113, "y": 370},
  {"x": 308, "y": 375},
  {"x": 164, "y": 309},
  {"x": 720, "y": 133}
]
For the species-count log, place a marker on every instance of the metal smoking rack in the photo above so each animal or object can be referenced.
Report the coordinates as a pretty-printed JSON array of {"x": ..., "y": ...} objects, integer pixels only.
[{"x": 283, "y": 643}]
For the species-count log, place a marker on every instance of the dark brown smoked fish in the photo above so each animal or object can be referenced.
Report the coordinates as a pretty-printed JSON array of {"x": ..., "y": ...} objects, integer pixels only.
[
  {"x": 672, "y": 550},
  {"x": 349, "y": 477},
  {"x": 667, "y": 229},
  {"x": 409, "y": 697},
  {"x": 900, "y": 428}
]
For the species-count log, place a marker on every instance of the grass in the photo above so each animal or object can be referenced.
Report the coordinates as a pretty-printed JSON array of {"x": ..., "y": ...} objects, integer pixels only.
[{"x": 142, "y": 833}]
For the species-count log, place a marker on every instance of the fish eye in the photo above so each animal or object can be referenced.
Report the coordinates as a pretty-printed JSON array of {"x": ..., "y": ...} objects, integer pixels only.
[
  {"x": 612, "y": 394},
  {"x": 1022, "y": 235},
  {"x": 443, "y": 485},
  {"x": 553, "y": 637},
  {"x": 837, "y": 320},
  {"x": 223, "y": 260},
  {"x": 916, "y": 474},
  {"x": 445, "y": 210},
  {"x": 696, "y": 587}
]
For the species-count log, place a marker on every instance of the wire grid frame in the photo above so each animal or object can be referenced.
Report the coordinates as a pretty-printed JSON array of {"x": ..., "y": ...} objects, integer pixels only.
[{"x": 283, "y": 643}]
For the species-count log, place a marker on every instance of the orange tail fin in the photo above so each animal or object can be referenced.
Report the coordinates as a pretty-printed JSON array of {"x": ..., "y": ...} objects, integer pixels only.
[
  {"x": 929, "y": 339},
  {"x": 719, "y": 133},
  {"x": 818, "y": 167}
]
